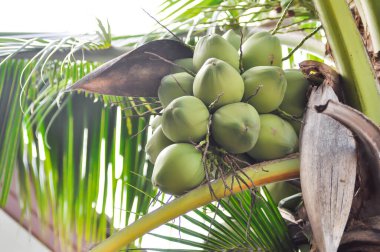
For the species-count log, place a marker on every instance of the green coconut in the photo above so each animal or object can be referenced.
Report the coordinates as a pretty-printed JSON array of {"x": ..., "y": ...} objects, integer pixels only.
[
  {"x": 218, "y": 83},
  {"x": 294, "y": 101},
  {"x": 233, "y": 38},
  {"x": 186, "y": 63},
  {"x": 261, "y": 49},
  {"x": 264, "y": 87},
  {"x": 178, "y": 169},
  {"x": 281, "y": 190},
  {"x": 185, "y": 119},
  {"x": 235, "y": 127},
  {"x": 156, "y": 143},
  {"x": 277, "y": 139},
  {"x": 173, "y": 86},
  {"x": 215, "y": 46},
  {"x": 155, "y": 122}
]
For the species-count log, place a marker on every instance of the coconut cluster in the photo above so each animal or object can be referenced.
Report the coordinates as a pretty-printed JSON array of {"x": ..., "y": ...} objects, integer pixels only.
[{"x": 229, "y": 103}]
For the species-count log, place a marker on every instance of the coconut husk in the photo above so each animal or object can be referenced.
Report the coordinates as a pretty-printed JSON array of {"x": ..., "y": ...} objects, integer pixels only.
[{"x": 328, "y": 164}]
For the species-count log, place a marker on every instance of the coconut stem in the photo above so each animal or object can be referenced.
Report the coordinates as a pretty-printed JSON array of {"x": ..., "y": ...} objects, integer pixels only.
[
  {"x": 172, "y": 63},
  {"x": 204, "y": 158},
  {"x": 282, "y": 18},
  {"x": 212, "y": 105},
  {"x": 288, "y": 116},
  {"x": 260, "y": 174},
  {"x": 302, "y": 42},
  {"x": 163, "y": 26},
  {"x": 254, "y": 93}
]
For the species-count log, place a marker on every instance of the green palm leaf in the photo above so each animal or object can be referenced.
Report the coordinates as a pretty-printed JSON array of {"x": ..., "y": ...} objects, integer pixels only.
[
  {"x": 10, "y": 125},
  {"x": 66, "y": 148},
  {"x": 235, "y": 224}
]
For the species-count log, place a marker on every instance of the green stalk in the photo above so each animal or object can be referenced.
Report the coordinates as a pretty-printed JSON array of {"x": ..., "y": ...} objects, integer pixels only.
[
  {"x": 311, "y": 45},
  {"x": 351, "y": 58},
  {"x": 259, "y": 174}
]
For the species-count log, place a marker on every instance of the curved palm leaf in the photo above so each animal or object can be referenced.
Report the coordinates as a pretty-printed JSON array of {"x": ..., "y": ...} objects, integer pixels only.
[
  {"x": 194, "y": 17},
  {"x": 66, "y": 151},
  {"x": 237, "y": 223}
]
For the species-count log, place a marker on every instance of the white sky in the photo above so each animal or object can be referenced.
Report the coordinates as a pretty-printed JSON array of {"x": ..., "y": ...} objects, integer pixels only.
[{"x": 76, "y": 16}]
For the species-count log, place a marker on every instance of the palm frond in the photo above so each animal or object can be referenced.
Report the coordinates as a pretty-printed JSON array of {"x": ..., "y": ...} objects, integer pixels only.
[
  {"x": 194, "y": 18},
  {"x": 67, "y": 151},
  {"x": 10, "y": 125},
  {"x": 237, "y": 223}
]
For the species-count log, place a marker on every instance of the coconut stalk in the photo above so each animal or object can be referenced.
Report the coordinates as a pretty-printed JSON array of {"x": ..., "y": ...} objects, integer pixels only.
[
  {"x": 260, "y": 174},
  {"x": 359, "y": 82}
]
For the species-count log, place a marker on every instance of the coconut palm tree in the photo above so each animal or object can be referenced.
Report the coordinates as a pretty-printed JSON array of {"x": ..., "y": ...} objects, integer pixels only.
[{"x": 67, "y": 149}]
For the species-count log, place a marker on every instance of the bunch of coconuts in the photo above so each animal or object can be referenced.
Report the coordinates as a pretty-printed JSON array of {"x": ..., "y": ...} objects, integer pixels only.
[{"x": 223, "y": 99}]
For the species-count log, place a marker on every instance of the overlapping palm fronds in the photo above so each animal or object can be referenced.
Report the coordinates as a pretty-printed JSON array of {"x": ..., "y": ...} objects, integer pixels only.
[
  {"x": 195, "y": 17},
  {"x": 237, "y": 223},
  {"x": 78, "y": 160}
]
